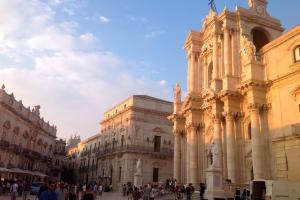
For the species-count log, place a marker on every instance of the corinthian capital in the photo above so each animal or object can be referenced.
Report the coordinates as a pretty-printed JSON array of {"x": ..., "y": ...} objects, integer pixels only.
[
  {"x": 229, "y": 115},
  {"x": 265, "y": 107},
  {"x": 254, "y": 106}
]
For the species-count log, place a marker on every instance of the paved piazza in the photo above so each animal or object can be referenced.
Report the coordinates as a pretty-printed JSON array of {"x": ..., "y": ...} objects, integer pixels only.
[{"x": 105, "y": 196}]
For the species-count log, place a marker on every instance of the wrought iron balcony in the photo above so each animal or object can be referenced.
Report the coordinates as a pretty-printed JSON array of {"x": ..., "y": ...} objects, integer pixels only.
[
  {"x": 163, "y": 153},
  {"x": 4, "y": 144}
]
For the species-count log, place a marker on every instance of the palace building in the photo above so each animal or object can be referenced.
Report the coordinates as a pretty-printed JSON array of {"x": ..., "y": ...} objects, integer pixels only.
[
  {"x": 27, "y": 141},
  {"x": 240, "y": 119},
  {"x": 136, "y": 129}
]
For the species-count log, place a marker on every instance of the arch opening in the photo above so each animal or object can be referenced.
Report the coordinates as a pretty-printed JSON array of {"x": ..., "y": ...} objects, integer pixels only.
[{"x": 260, "y": 38}]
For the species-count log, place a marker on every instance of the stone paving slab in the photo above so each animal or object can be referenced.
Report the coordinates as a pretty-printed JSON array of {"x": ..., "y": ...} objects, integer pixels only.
[{"x": 105, "y": 196}]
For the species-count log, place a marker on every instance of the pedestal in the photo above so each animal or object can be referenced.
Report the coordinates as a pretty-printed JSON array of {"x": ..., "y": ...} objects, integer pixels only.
[
  {"x": 138, "y": 180},
  {"x": 214, "y": 184}
]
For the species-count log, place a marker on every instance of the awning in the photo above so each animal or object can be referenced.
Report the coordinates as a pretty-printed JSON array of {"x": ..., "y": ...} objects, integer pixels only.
[
  {"x": 17, "y": 171},
  {"x": 37, "y": 173},
  {"x": 2, "y": 169}
]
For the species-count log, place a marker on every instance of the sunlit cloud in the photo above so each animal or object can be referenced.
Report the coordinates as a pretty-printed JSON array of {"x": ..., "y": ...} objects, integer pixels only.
[
  {"x": 153, "y": 34},
  {"x": 51, "y": 63},
  {"x": 104, "y": 19}
]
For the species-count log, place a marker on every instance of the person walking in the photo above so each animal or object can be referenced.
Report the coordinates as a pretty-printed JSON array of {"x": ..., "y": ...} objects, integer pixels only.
[
  {"x": 89, "y": 194},
  {"x": 189, "y": 191},
  {"x": 49, "y": 194},
  {"x": 100, "y": 189},
  {"x": 26, "y": 190},
  {"x": 152, "y": 193},
  {"x": 14, "y": 191},
  {"x": 62, "y": 193},
  {"x": 72, "y": 193}
]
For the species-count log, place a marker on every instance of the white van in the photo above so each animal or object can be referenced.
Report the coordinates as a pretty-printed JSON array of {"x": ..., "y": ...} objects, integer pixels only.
[{"x": 275, "y": 190}]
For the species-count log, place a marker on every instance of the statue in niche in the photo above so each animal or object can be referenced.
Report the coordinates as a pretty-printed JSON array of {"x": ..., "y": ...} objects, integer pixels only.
[
  {"x": 215, "y": 155},
  {"x": 248, "y": 50},
  {"x": 177, "y": 91},
  {"x": 138, "y": 166}
]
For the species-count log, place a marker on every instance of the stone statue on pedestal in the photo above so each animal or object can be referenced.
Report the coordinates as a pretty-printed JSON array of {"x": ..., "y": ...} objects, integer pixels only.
[
  {"x": 138, "y": 166},
  {"x": 248, "y": 50},
  {"x": 215, "y": 155},
  {"x": 138, "y": 181}
]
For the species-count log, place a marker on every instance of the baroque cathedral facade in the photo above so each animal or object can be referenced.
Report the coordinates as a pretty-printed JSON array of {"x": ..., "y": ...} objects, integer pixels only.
[{"x": 240, "y": 119}]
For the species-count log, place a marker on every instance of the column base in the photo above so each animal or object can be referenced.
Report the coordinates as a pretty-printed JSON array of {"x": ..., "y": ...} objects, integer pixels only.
[{"x": 214, "y": 184}]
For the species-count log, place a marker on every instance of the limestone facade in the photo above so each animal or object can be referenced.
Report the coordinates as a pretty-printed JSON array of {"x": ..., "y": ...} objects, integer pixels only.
[
  {"x": 59, "y": 160},
  {"x": 137, "y": 128},
  {"x": 26, "y": 141},
  {"x": 88, "y": 161},
  {"x": 240, "y": 119}
]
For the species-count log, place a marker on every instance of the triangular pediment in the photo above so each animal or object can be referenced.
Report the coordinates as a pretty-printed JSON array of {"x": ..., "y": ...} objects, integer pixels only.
[
  {"x": 158, "y": 130},
  {"x": 193, "y": 37}
]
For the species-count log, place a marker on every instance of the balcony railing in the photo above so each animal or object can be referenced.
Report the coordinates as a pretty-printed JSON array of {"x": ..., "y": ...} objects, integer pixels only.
[
  {"x": 4, "y": 144},
  {"x": 163, "y": 153}
]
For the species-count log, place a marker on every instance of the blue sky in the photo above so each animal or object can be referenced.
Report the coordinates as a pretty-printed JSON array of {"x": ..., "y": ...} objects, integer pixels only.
[{"x": 78, "y": 58}]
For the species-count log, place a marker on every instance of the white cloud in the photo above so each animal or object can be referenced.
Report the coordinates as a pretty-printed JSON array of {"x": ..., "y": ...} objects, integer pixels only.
[
  {"x": 153, "y": 34},
  {"x": 138, "y": 19},
  {"x": 88, "y": 37},
  {"x": 50, "y": 64},
  {"x": 69, "y": 11},
  {"x": 162, "y": 82},
  {"x": 104, "y": 19}
]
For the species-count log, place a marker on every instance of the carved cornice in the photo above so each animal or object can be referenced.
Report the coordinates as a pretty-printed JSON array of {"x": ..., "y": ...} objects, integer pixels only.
[
  {"x": 245, "y": 86},
  {"x": 229, "y": 93}
]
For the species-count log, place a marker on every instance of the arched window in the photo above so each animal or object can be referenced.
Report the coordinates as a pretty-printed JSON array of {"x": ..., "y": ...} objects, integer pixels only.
[
  {"x": 297, "y": 53},
  {"x": 210, "y": 73},
  {"x": 249, "y": 131}
]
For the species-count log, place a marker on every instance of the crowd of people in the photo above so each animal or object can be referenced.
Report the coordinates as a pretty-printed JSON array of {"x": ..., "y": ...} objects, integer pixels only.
[
  {"x": 51, "y": 190},
  {"x": 152, "y": 192},
  {"x": 15, "y": 188},
  {"x": 64, "y": 191}
]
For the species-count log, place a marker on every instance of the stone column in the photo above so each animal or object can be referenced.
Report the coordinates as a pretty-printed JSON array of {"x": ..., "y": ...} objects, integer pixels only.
[
  {"x": 227, "y": 52},
  {"x": 189, "y": 73},
  {"x": 215, "y": 57},
  {"x": 184, "y": 159},
  {"x": 188, "y": 155},
  {"x": 192, "y": 72},
  {"x": 230, "y": 141},
  {"x": 193, "y": 155},
  {"x": 257, "y": 150},
  {"x": 266, "y": 139},
  {"x": 177, "y": 160}
]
